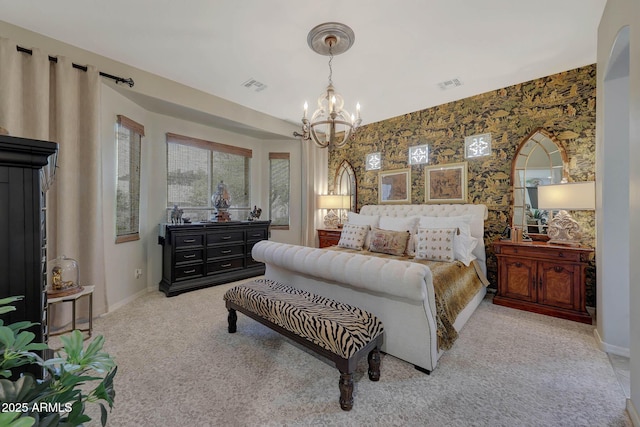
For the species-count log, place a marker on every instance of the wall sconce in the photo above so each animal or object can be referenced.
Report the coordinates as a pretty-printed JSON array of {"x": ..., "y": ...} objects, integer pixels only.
[
  {"x": 573, "y": 196},
  {"x": 373, "y": 161},
  {"x": 477, "y": 146},
  {"x": 419, "y": 155},
  {"x": 332, "y": 202}
]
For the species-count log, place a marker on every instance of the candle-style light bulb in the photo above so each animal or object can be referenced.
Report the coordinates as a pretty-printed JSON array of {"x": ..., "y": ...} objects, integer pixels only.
[
  {"x": 306, "y": 107},
  {"x": 358, "y": 109}
]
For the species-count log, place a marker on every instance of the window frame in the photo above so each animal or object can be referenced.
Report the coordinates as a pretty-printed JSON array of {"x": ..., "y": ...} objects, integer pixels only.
[
  {"x": 287, "y": 157},
  {"x": 137, "y": 130},
  {"x": 211, "y": 146}
]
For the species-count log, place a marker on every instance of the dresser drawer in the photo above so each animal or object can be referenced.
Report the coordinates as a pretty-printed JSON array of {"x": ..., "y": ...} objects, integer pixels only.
[
  {"x": 188, "y": 256},
  {"x": 186, "y": 240},
  {"x": 189, "y": 271},
  {"x": 217, "y": 267},
  {"x": 538, "y": 251},
  {"x": 225, "y": 237},
  {"x": 257, "y": 234},
  {"x": 224, "y": 251}
]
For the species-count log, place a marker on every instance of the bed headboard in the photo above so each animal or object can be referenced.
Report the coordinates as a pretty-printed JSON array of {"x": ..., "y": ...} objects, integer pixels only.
[{"x": 479, "y": 212}]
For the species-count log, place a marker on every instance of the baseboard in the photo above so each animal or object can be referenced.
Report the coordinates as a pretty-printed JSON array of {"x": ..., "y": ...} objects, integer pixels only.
[
  {"x": 613, "y": 349},
  {"x": 126, "y": 301},
  {"x": 633, "y": 414}
]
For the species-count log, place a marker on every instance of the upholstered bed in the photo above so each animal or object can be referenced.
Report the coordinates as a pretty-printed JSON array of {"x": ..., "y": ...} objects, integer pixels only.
[{"x": 401, "y": 291}]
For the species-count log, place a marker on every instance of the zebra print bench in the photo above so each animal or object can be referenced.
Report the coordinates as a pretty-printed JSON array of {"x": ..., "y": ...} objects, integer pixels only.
[{"x": 337, "y": 331}]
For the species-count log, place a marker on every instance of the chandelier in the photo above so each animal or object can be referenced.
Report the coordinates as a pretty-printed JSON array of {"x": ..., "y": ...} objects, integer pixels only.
[{"x": 330, "y": 124}]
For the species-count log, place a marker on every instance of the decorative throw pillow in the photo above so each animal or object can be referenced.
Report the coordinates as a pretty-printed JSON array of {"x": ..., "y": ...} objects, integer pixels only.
[
  {"x": 435, "y": 244},
  {"x": 389, "y": 241},
  {"x": 359, "y": 219},
  {"x": 409, "y": 224},
  {"x": 462, "y": 222},
  {"x": 352, "y": 236}
]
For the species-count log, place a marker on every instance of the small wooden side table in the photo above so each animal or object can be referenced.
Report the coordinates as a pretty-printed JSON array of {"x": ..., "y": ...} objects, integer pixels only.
[
  {"x": 73, "y": 299},
  {"x": 328, "y": 237}
]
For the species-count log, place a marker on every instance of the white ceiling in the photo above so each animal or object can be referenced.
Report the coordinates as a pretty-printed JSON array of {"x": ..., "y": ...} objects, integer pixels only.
[{"x": 402, "y": 49}]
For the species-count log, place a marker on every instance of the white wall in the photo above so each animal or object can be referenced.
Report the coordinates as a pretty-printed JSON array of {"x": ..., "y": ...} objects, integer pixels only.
[
  {"x": 617, "y": 15},
  {"x": 612, "y": 241},
  {"x": 122, "y": 259}
]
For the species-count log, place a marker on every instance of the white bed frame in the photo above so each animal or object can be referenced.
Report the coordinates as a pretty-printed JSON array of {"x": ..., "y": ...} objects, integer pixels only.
[{"x": 400, "y": 293}]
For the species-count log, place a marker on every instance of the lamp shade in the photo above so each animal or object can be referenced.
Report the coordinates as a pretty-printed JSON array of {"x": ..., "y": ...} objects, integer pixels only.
[
  {"x": 572, "y": 196},
  {"x": 332, "y": 201}
]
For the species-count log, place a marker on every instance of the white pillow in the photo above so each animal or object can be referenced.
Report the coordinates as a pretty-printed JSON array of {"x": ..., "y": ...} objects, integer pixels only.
[
  {"x": 463, "y": 247},
  {"x": 352, "y": 236},
  {"x": 462, "y": 222},
  {"x": 359, "y": 219},
  {"x": 436, "y": 244},
  {"x": 409, "y": 223}
]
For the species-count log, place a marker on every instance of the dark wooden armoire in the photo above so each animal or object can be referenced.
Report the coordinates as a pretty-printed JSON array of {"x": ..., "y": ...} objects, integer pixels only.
[{"x": 22, "y": 230}]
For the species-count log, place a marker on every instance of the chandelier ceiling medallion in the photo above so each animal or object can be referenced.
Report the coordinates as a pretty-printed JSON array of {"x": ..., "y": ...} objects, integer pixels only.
[{"x": 330, "y": 125}]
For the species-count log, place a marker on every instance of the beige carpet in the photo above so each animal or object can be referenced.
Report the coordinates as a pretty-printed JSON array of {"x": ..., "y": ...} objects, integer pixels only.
[{"x": 179, "y": 367}]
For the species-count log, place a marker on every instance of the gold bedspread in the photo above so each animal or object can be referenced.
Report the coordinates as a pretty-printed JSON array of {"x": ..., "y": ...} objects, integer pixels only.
[{"x": 454, "y": 285}]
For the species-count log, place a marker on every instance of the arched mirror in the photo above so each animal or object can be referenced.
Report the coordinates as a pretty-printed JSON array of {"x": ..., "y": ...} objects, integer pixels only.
[
  {"x": 539, "y": 160},
  {"x": 345, "y": 183}
]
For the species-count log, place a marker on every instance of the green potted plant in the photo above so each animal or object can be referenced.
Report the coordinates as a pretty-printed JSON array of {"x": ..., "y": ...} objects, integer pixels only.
[{"x": 60, "y": 398}]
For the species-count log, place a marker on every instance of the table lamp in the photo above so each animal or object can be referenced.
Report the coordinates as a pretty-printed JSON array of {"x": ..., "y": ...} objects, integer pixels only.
[
  {"x": 332, "y": 202},
  {"x": 570, "y": 196}
]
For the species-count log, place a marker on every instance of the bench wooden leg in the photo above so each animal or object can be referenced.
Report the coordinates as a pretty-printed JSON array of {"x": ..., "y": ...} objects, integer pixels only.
[
  {"x": 374, "y": 364},
  {"x": 346, "y": 391},
  {"x": 232, "y": 318}
]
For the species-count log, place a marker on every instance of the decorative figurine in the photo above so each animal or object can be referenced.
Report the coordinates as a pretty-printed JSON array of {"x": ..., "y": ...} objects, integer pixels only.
[
  {"x": 176, "y": 215},
  {"x": 221, "y": 201},
  {"x": 64, "y": 279},
  {"x": 255, "y": 213}
]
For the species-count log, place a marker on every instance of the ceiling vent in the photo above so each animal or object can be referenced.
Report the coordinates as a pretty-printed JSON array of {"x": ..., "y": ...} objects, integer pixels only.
[
  {"x": 450, "y": 84},
  {"x": 255, "y": 85}
]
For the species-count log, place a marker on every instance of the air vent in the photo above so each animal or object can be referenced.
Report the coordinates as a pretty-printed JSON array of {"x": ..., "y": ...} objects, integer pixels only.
[
  {"x": 255, "y": 85},
  {"x": 450, "y": 84}
]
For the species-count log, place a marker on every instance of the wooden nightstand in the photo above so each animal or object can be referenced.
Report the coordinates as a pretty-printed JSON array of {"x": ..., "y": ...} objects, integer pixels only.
[
  {"x": 328, "y": 237},
  {"x": 543, "y": 278}
]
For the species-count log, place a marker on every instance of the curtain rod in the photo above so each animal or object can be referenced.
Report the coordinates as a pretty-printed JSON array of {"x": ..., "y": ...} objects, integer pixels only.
[{"x": 128, "y": 81}]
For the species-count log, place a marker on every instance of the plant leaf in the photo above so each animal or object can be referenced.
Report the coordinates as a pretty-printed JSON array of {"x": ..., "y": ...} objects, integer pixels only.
[
  {"x": 13, "y": 419},
  {"x": 7, "y": 337}
]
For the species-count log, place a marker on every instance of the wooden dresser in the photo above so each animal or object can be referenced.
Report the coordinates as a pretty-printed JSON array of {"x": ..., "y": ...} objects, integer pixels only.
[
  {"x": 543, "y": 278},
  {"x": 328, "y": 237},
  {"x": 206, "y": 254}
]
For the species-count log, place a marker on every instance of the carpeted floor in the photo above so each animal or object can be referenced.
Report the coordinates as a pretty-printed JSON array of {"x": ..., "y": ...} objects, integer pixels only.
[{"x": 178, "y": 366}]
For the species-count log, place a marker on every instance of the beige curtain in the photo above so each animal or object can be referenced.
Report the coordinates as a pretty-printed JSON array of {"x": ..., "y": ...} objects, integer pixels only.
[
  {"x": 314, "y": 175},
  {"x": 41, "y": 99}
]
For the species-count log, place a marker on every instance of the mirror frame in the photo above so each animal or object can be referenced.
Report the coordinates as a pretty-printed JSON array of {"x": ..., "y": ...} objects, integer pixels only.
[
  {"x": 565, "y": 171},
  {"x": 346, "y": 168}
]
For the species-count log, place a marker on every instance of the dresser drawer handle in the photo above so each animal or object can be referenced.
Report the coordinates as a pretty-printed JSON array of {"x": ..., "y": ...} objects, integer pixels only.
[
  {"x": 189, "y": 271},
  {"x": 225, "y": 265},
  {"x": 518, "y": 264},
  {"x": 190, "y": 256},
  {"x": 226, "y": 237},
  {"x": 561, "y": 254},
  {"x": 189, "y": 240},
  {"x": 228, "y": 251},
  {"x": 256, "y": 235},
  {"x": 558, "y": 268}
]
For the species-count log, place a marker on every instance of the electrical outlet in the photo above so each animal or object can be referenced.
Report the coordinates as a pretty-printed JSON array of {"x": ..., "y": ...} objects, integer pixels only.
[{"x": 137, "y": 273}]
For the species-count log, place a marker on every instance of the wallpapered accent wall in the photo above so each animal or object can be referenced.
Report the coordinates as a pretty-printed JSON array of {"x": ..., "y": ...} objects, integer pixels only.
[{"x": 564, "y": 104}]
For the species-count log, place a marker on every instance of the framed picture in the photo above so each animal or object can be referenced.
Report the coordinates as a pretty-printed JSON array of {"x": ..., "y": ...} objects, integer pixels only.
[
  {"x": 394, "y": 186},
  {"x": 446, "y": 183}
]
